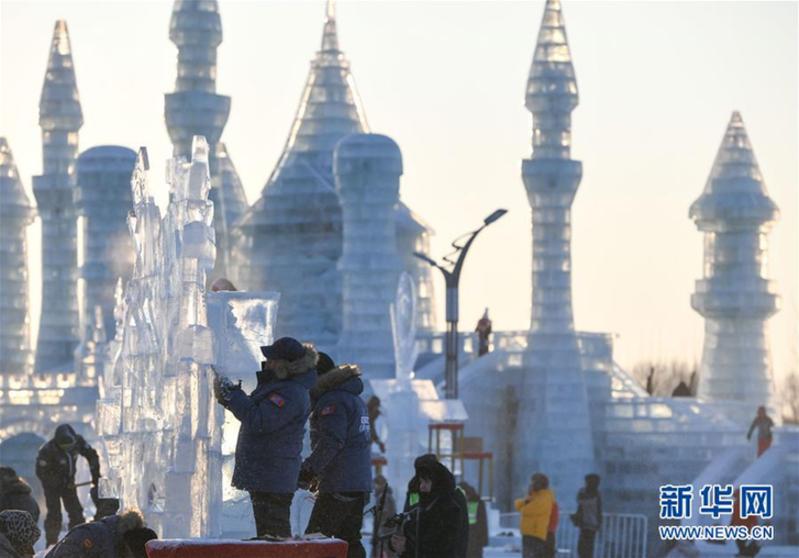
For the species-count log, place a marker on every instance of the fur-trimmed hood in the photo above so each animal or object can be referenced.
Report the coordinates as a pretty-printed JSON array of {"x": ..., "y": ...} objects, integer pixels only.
[
  {"x": 129, "y": 520},
  {"x": 284, "y": 369},
  {"x": 336, "y": 378}
]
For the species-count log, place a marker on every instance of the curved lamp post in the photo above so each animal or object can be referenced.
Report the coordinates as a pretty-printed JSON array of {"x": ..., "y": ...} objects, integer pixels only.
[{"x": 452, "y": 277}]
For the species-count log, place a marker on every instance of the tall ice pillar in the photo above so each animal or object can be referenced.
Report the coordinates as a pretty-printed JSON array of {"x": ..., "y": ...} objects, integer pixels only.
[
  {"x": 196, "y": 109},
  {"x": 735, "y": 213},
  {"x": 553, "y": 431},
  {"x": 367, "y": 168},
  {"x": 60, "y": 118},
  {"x": 16, "y": 214}
]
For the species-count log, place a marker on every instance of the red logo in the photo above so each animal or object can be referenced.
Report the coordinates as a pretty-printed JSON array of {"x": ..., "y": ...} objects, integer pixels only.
[
  {"x": 87, "y": 544},
  {"x": 329, "y": 410},
  {"x": 277, "y": 400}
]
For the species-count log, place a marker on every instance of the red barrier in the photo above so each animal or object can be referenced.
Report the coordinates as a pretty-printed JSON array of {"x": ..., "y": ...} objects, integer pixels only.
[{"x": 210, "y": 548}]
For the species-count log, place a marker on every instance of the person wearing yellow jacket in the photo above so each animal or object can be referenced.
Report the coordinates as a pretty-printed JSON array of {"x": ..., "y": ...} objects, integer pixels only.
[{"x": 535, "y": 510}]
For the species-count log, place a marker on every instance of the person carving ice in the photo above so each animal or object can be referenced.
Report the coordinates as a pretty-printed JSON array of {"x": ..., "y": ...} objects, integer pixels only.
[
  {"x": 55, "y": 466},
  {"x": 273, "y": 421}
]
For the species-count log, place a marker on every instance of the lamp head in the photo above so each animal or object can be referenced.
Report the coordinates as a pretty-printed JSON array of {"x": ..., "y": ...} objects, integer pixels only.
[{"x": 494, "y": 216}]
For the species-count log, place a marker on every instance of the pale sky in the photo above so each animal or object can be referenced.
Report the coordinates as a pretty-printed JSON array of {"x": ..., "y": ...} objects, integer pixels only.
[{"x": 658, "y": 82}]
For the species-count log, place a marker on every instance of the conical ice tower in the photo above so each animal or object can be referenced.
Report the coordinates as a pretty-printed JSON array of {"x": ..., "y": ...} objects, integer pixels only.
[
  {"x": 60, "y": 118},
  {"x": 16, "y": 213},
  {"x": 558, "y": 440},
  {"x": 291, "y": 238},
  {"x": 735, "y": 213},
  {"x": 195, "y": 109}
]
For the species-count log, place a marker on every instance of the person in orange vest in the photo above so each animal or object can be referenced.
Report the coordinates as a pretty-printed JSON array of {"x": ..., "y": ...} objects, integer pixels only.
[
  {"x": 535, "y": 510},
  {"x": 764, "y": 424}
]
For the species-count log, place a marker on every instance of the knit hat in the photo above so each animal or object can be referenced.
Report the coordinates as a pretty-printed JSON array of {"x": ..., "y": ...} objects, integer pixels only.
[
  {"x": 135, "y": 539},
  {"x": 285, "y": 348},
  {"x": 20, "y": 529}
]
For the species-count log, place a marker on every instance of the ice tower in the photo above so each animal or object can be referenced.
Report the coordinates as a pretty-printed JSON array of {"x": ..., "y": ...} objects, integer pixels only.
[
  {"x": 196, "y": 109},
  {"x": 60, "y": 118},
  {"x": 735, "y": 213},
  {"x": 105, "y": 250},
  {"x": 16, "y": 213},
  {"x": 291, "y": 238},
  {"x": 554, "y": 401},
  {"x": 367, "y": 168}
]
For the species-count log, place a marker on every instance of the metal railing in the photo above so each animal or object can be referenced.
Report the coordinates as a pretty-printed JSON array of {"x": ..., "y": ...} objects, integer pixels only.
[{"x": 623, "y": 535}]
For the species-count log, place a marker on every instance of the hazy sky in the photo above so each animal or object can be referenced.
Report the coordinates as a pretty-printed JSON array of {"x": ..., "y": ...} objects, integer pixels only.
[{"x": 446, "y": 80}]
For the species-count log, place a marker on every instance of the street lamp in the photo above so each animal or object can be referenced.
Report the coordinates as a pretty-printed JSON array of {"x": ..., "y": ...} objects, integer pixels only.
[{"x": 452, "y": 275}]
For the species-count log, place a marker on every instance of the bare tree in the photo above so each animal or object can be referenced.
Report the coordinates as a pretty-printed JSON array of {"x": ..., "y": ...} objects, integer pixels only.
[{"x": 662, "y": 377}]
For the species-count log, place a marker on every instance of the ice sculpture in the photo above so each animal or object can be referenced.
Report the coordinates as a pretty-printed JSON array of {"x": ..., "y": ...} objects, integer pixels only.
[
  {"x": 195, "y": 109},
  {"x": 735, "y": 213},
  {"x": 161, "y": 427},
  {"x": 367, "y": 168},
  {"x": 60, "y": 118},
  {"x": 291, "y": 238},
  {"x": 554, "y": 405},
  {"x": 16, "y": 213}
]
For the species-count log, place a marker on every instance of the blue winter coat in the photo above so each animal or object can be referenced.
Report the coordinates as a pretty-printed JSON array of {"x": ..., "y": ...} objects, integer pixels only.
[
  {"x": 340, "y": 440},
  {"x": 273, "y": 416},
  {"x": 98, "y": 539}
]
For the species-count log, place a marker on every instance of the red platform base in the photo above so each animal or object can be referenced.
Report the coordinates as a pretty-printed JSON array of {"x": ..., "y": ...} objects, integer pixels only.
[{"x": 210, "y": 548}]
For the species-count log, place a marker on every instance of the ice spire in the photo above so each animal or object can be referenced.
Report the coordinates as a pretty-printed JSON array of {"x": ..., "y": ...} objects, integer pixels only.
[
  {"x": 195, "y": 109},
  {"x": 735, "y": 213},
  {"x": 60, "y": 118},
  {"x": 292, "y": 234},
  {"x": 552, "y": 87},
  {"x": 554, "y": 398},
  {"x": 16, "y": 213}
]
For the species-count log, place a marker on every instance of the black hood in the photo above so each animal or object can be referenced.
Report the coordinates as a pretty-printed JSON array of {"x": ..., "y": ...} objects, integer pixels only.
[{"x": 443, "y": 480}]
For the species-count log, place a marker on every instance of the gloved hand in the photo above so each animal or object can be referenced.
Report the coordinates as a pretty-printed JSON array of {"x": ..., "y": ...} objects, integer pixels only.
[{"x": 223, "y": 388}]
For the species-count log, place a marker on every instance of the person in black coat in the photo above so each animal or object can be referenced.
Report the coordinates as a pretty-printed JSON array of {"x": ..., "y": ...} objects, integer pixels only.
[
  {"x": 412, "y": 497},
  {"x": 55, "y": 466},
  {"x": 433, "y": 527},
  {"x": 15, "y": 494},
  {"x": 273, "y": 417},
  {"x": 340, "y": 454},
  {"x": 115, "y": 536}
]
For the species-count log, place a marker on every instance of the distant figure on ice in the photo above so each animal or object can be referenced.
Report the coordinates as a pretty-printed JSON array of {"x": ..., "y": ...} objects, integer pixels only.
[
  {"x": 536, "y": 511},
  {"x": 433, "y": 528},
  {"x": 269, "y": 447},
  {"x": 55, "y": 466},
  {"x": 764, "y": 424},
  {"x": 373, "y": 408},
  {"x": 650, "y": 381},
  {"x": 116, "y": 536},
  {"x": 385, "y": 509},
  {"x": 341, "y": 457},
  {"x": 18, "y": 534},
  {"x": 483, "y": 330},
  {"x": 478, "y": 521},
  {"x": 588, "y": 517},
  {"x": 15, "y": 494},
  {"x": 222, "y": 284},
  {"x": 414, "y": 494}
]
